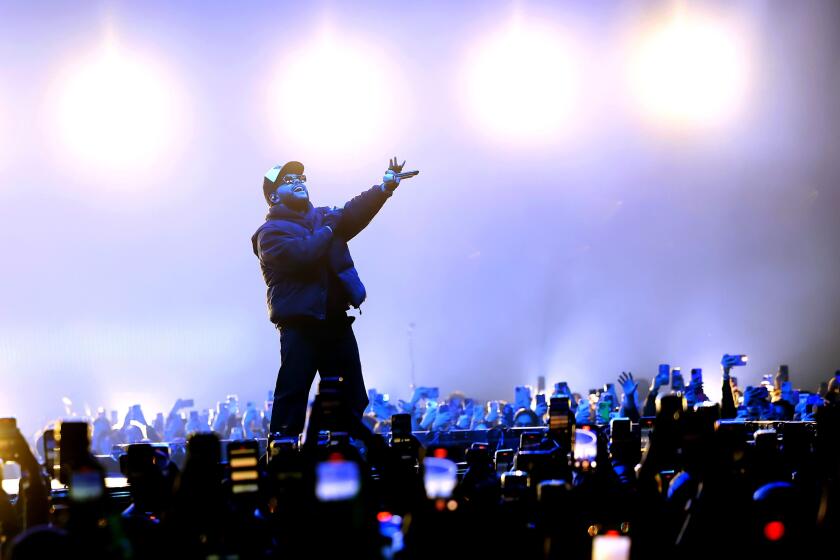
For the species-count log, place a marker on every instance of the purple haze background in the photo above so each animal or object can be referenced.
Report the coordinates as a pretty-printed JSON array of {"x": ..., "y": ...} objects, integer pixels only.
[{"x": 613, "y": 250}]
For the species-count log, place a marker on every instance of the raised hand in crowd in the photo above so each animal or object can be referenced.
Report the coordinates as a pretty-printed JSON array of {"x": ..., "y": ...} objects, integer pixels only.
[
  {"x": 677, "y": 381},
  {"x": 629, "y": 387},
  {"x": 662, "y": 378}
]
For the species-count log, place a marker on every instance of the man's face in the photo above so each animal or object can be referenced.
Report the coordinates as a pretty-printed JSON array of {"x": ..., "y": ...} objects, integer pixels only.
[{"x": 293, "y": 189}]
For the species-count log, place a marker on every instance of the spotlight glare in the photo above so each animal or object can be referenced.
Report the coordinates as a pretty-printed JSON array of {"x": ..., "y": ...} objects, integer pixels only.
[
  {"x": 521, "y": 83},
  {"x": 333, "y": 96},
  {"x": 689, "y": 70},
  {"x": 115, "y": 110}
]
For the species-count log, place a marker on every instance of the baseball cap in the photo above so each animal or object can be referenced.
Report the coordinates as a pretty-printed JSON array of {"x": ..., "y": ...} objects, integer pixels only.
[{"x": 273, "y": 176}]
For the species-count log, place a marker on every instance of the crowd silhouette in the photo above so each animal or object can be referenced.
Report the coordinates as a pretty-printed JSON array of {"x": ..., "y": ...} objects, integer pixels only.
[{"x": 670, "y": 474}]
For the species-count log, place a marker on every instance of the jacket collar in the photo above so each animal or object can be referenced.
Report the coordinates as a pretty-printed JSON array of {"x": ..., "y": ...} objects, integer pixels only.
[{"x": 281, "y": 212}]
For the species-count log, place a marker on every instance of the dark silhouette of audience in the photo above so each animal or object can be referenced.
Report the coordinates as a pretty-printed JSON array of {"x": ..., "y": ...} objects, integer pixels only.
[{"x": 664, "y": 475}]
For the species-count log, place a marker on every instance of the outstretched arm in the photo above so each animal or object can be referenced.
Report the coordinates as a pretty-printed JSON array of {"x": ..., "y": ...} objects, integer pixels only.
[
  {"x": 727, "y": 401},
  {"x": 629, "y": 409},
  {"x": 359, "y": 211},
  {"x": 660, "y": 380}
]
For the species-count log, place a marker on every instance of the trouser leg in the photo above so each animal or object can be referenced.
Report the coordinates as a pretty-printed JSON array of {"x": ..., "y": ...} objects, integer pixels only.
[
  {"x": 298, "y": 364},
  {"x": 340, "y": 358}
]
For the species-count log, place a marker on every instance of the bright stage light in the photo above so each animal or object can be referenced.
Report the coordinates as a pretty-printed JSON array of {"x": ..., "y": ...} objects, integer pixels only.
[
  {"x": 689, "y": 70},
  {"x": 335, "y": 97},
  {"x": 522, "y": 82},
  {"x": 116, "y": 111}
]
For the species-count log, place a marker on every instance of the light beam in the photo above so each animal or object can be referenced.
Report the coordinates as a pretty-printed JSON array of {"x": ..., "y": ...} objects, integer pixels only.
[
  {"x": 116, "y": 112},
  {"x": 689, "y": 70},
  {"x": 521, "y": 83}
]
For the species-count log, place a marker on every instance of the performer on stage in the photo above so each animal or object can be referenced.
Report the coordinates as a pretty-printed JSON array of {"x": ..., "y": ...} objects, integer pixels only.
[{"x": 312, "y": 282}]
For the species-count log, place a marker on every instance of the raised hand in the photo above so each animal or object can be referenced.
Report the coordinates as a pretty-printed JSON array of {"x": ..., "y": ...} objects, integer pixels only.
[
  {"x": 728, "y": 362},
  {"x": 391, "y": 180},
  {"x": 661, "y": 378},
  {"x": 429, "y": 415},
  {"x": 677, "y": 381},
  {"x": 443, "y": 419},
  {"x": 584, "y": 410},
  {"x": 782, "y": 375},
  {"x": 628, "y": 385},
  {"x": 696, "y": 378},
  {"x": 394, "y": 166},
  {"x": 394, "y": 174}
]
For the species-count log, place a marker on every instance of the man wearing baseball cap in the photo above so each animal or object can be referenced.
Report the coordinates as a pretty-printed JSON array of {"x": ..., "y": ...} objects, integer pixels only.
[{"x": 312, "y": 282}]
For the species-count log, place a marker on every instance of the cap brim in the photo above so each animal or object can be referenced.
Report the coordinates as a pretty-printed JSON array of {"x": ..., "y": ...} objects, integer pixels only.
[
  {"x": 293, "y": 167},
  {"x": 276, "y": 173}
]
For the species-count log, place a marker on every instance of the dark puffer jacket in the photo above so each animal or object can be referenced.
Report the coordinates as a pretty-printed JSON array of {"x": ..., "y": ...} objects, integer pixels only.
[{"x": 302, "y": 261}]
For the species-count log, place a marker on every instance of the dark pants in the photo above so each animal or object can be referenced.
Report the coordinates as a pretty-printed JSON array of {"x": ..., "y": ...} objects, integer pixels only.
[{"x": 326, "y": 347}]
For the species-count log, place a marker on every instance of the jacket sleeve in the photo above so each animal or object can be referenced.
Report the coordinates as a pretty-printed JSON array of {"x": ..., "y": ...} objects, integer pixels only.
[
  {"x": 359, "y": 211},
  {"x": 283, "y": 248}
]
